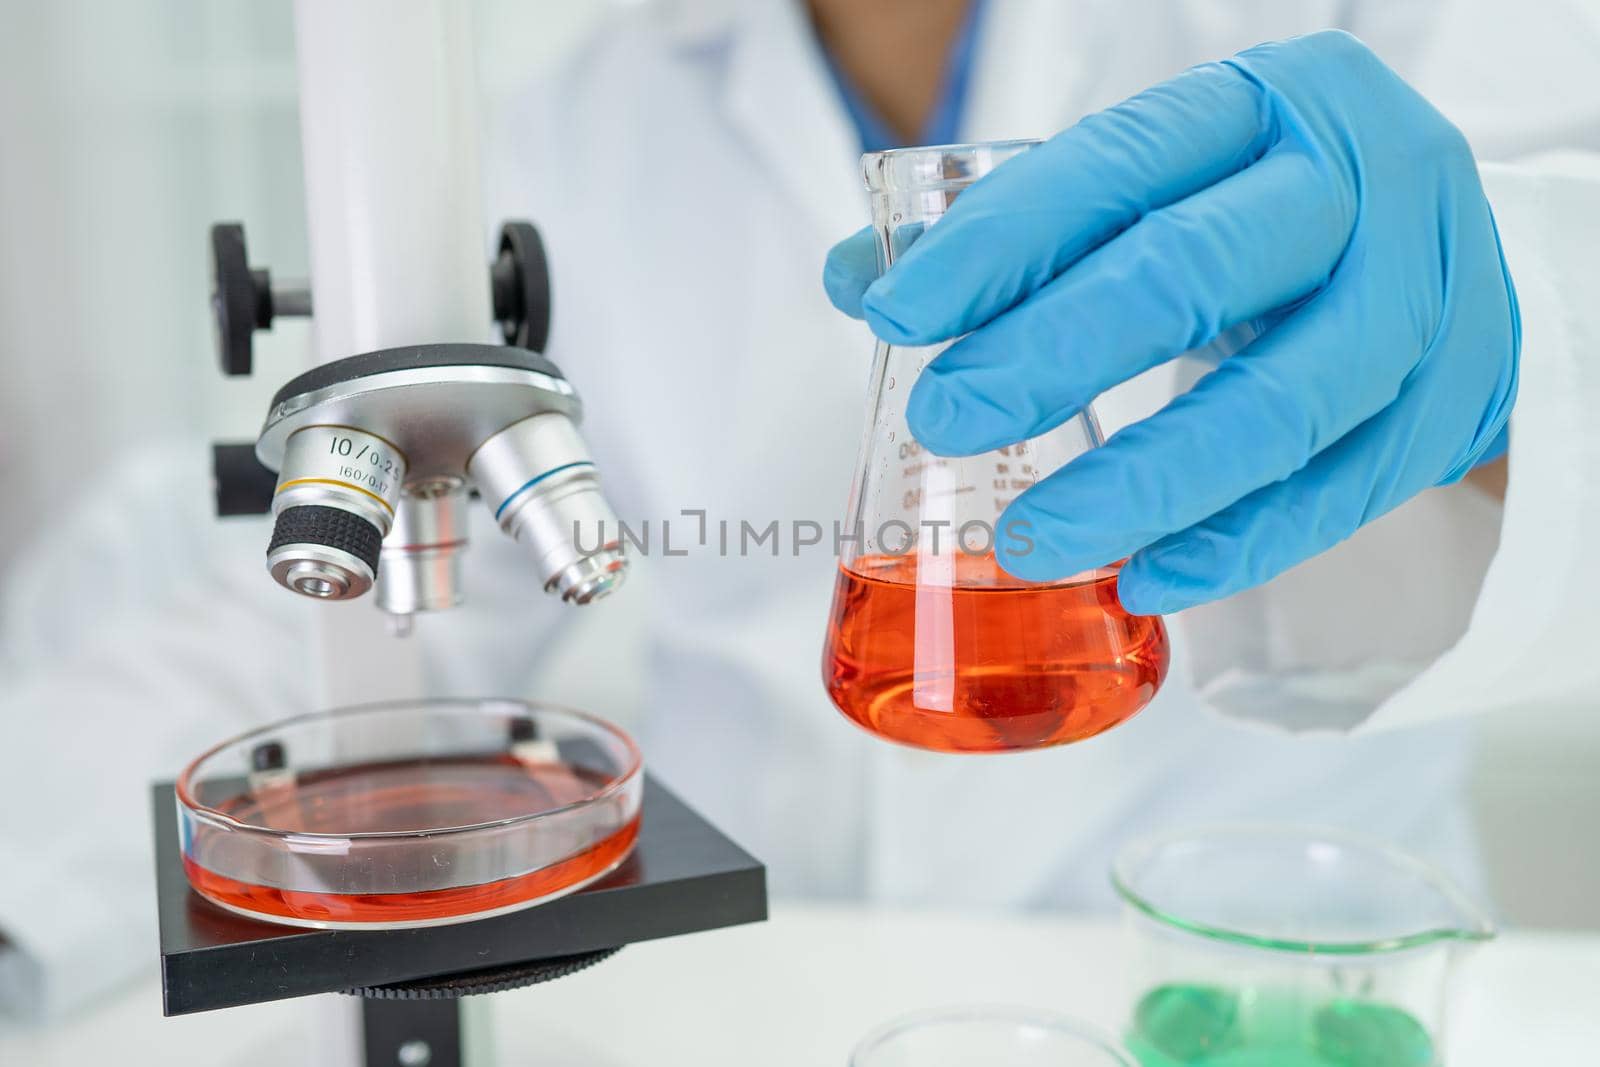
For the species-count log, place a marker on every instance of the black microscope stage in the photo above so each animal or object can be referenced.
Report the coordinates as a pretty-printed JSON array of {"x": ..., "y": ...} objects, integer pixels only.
[{"x": 684, "y": 876}]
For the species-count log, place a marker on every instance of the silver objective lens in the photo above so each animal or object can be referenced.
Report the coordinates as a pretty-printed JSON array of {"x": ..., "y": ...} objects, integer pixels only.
[
  {"x": 335, "y": 501},
  {"x": 537, "y": 477},
  {"x": 421, "y": 557}
]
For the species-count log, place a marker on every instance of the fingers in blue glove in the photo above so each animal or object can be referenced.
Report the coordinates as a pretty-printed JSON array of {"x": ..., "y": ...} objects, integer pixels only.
[
  {"x": 1020, "y": 226},
  {"x": 1256, "y": 419},
  {"x": 852, "y": 265},
  {"x": 1147, "y": 229},
  {"x": 1253, "y": 242},
  {"x": 1365, "y": 475}
]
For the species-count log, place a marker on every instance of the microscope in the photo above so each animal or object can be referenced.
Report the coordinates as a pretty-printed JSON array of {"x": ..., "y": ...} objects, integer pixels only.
[
  {"x": 373, "y": 456},
  {"x": 367, "y": 463},
  {"x": 378, "y": 449}
]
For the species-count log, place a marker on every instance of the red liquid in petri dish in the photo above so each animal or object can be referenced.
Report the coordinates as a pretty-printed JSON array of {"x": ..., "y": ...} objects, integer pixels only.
[
  {"x": 985, "y": 662},
  {"x": 408, "y": 796}
]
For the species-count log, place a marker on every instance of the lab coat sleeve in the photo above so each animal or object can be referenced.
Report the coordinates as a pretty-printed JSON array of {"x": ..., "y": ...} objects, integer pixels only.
[
  {"x": 139, "y": 632},
  {"x": 1446, "y": 606}
]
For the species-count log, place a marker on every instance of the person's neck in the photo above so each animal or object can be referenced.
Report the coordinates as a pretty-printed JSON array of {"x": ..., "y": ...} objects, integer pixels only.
[{"x": 893, "y": 52}]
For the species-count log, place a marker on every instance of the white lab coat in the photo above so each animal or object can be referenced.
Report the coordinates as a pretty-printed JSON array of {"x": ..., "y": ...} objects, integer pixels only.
[{"x": 690, "y": 169}]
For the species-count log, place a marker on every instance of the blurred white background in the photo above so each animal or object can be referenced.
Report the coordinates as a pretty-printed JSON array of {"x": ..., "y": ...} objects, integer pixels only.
[{"x": 126, "y": 129}]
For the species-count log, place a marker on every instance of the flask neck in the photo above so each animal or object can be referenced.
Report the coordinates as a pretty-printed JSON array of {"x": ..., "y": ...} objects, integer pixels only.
[{"x": 912, "y": 188}]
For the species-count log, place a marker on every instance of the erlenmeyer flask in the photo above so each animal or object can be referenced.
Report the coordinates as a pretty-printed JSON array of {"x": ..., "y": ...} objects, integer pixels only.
[{"x": 930, "y": 643}]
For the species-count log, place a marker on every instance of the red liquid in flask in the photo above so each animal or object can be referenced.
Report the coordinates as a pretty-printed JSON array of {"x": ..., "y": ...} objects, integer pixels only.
[
  {"x": 986, "y": 663},
  {"x": 413, "y": 795}
]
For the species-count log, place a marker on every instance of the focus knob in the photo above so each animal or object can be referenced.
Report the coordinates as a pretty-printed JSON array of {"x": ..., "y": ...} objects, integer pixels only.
[
  {"x": 519, "y": 279},
  {"x": 234, "y": 298},
  {"x": 243, "y": 299}
]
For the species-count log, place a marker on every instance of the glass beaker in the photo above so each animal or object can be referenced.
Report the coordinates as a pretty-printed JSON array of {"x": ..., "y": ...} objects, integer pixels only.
[
  {"x": 930, "y": 643},
  {"x": 966, "y": 1036},
  {"x": 1289, "y": 946}
]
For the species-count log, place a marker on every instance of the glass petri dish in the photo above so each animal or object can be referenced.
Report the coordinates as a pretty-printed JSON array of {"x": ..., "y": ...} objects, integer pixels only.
[
  {"x": 421, "y": 813},
  {"x": 993, "y": 1034}
]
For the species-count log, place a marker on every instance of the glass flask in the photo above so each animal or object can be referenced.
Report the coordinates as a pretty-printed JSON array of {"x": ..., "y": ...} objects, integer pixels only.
[
  {"x": 401, "y": 815},
  {"x": 1290, "y": 946},
  {"x": 929, "y": 642},
  {"x": 966, "y": 1036}
]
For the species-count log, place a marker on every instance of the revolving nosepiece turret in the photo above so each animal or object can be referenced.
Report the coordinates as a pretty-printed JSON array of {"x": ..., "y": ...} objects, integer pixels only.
[{"x": 376, "y": 456}]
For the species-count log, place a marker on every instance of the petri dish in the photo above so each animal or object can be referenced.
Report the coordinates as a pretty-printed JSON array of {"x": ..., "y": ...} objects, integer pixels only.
[
  {"x": 399, "y": 815},
  {"x": 987, "y": 1034}
]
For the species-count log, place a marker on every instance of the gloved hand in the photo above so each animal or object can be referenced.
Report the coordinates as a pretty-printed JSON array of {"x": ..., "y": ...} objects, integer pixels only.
[{"x": 1300, "y": 186}]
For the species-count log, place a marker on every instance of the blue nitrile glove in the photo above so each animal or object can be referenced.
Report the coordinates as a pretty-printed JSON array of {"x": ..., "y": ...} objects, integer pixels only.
[{"x": 1300, "y": 185}]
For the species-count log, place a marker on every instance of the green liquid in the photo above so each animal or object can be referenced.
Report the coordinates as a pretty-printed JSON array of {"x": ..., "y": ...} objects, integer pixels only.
[{"x": 1210, "y": 1026}]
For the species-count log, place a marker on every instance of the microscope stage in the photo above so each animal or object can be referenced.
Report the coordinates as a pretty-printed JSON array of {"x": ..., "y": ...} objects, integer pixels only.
[{"x": 684, "y": 876}]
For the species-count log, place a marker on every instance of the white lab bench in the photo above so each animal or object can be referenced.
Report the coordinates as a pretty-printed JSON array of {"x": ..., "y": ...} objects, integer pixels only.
[{"x": 801, "y": 988}]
